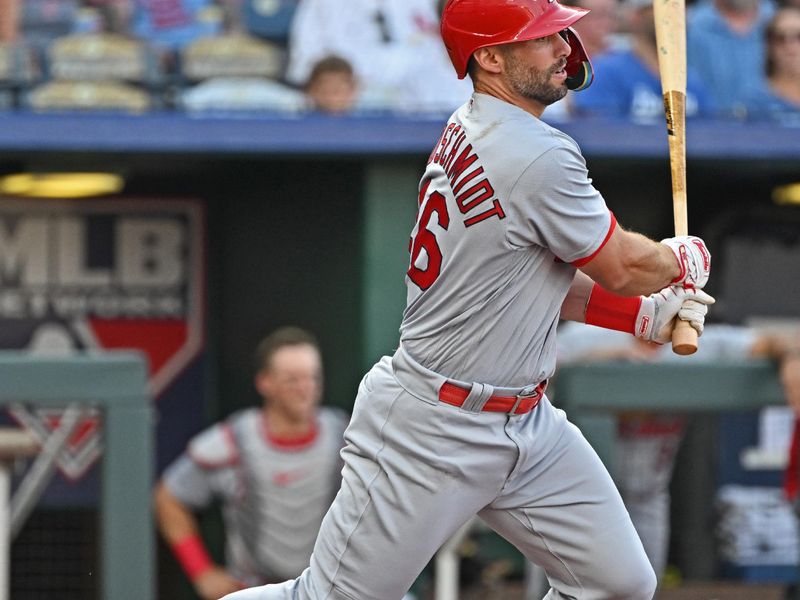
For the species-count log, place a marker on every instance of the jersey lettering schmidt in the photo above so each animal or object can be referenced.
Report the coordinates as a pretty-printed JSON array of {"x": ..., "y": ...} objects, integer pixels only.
[{"x": 496, "y": 218}]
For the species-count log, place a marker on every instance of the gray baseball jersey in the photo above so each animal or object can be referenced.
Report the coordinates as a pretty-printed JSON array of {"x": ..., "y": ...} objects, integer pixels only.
[
  {"x": 506, "y": 212},
  {"x": 274, "y": 494}
]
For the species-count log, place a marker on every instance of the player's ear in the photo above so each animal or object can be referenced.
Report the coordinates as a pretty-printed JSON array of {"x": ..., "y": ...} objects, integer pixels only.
[
  {"x": 263, "y": 383},
  {"x": 490, "y": 59}
]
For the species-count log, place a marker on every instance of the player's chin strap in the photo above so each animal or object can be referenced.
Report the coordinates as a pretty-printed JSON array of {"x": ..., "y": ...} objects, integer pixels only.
[{"x": 579, "y": 68}]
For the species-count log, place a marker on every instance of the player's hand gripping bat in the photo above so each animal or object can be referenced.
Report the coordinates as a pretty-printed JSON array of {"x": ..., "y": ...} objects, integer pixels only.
[{"x": 670, "y": 24}]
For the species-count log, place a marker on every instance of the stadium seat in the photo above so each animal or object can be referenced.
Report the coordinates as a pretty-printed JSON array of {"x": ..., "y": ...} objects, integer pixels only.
[
  {"x": 62, "y": 95},
  {"x": 101, "y": 56},
  {"x": 97, "y": 72},
  {"x": 235, "y": 73},
  {"x": 232, "y": 55}
]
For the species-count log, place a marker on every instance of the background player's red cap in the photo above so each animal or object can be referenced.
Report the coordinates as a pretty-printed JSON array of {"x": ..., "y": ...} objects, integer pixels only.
[{"x": 468, "y": 25}]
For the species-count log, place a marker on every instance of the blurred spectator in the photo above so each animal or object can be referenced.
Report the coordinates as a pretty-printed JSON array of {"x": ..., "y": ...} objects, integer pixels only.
[
  {"x": 268, "y": 19},
  {"x": 648, "y": 443},
  {"x": 627, "y": 82},
  {"x": 600, "y": 30},
  {"x": 93, "y": 69},
  {"x": 172, "y": 24},
  {"x": 168, "y": 26},
  {"x": 778, "y": 96},
  {"x": 427, "y": 83},
  {"x": 275, "y": 469},
  {"x": 373, "y": 35},
  {"x": 9, "y": 21},
  {"x": 332, "y": 87},
  {"x": 36, "y": 22},
  {"x": 394, "y": 47},
  {"x": 19, "y": 66},
  {"x": 725, "y": 47}
]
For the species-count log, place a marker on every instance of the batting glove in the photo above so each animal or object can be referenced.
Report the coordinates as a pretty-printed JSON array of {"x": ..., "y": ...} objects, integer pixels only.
[
  {"x": 657, "y": 313},
  {"x": 694, "y": 260}
]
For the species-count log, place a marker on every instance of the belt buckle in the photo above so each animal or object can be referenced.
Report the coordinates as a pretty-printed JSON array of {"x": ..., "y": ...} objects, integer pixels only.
[{"x": 529, "y": 392}]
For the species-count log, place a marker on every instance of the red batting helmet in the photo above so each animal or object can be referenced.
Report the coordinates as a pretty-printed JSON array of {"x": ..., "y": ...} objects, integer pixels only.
[{"x": 468, "y": 25}]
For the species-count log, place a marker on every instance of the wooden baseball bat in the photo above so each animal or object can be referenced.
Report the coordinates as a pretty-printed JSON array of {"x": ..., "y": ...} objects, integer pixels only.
[{"x": 670, "y": 25}]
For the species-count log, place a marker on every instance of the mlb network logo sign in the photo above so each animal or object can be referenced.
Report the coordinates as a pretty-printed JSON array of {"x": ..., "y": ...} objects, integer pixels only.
[{"x": 110, "y": 274}]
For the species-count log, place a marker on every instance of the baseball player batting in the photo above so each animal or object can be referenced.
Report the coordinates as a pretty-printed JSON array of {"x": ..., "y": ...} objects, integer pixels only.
[{"x": 510, "y": 235}]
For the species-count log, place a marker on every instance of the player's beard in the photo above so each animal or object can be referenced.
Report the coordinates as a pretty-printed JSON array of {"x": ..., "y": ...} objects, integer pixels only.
[{"x": 534, "y": 84}]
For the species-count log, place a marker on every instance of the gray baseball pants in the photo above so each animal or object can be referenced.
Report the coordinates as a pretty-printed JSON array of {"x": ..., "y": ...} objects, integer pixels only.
[{"x": 417, "y": 469}]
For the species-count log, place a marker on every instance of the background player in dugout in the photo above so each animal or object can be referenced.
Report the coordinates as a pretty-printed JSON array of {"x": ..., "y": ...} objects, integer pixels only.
[
  {"x": 275, "y": 468},
  {"x": 456, "y": 423},
  {"x": 647, "y": 443}
]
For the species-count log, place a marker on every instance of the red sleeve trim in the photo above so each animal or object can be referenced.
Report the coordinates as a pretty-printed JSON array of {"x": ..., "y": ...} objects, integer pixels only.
[
  {"x": 582, "y": 261},
  {"x": 611, "y": 311}
]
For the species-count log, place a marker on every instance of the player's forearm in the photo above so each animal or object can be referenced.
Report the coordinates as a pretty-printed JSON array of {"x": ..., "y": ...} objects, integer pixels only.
[
  {"x": 631, "y": 265},
  {"x": 180, "y": 530},
  {"x": 175, "y": 521},
  {"x": 776, "y": 346},
  {"x": 784, "y": 348},
  {"x": 646, "y": 267}
]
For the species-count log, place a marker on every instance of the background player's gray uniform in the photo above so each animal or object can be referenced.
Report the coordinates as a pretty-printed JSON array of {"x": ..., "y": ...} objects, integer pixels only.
[
  {"x": 506, "y": 205},
  {"x": 648, "y": 444},
  {"x": 273, "y": 497}
]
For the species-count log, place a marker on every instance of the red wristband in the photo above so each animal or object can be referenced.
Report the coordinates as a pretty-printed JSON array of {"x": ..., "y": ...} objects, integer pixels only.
[
  {"x": 611, "y": 311},
  {"x": 192, "y": 556}
]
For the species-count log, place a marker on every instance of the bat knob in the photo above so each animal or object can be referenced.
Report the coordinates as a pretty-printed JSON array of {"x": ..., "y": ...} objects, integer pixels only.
[{"x": 684, "y": 339}]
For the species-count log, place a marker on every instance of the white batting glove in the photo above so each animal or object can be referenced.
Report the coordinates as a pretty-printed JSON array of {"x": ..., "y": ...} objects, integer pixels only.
[
  {"x": 656, "y": 316},
  {"x": 694, "y": 260}
]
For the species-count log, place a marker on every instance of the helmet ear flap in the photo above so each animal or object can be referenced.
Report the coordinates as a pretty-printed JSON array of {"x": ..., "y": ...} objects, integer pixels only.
[{"x": 579, "y": 68}]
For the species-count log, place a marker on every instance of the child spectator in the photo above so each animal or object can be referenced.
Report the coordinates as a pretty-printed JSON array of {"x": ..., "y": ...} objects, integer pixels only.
[{"x": 332, "y": 87}]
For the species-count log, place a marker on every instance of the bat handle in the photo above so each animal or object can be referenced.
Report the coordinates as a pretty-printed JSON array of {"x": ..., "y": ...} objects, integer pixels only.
[{"x": 684, "y": 338}]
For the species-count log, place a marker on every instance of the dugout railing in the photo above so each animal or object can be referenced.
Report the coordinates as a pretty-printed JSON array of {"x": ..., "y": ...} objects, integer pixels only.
[
  {"x": 115, "y": 384},
  {"x": 592, "y": 395}
]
